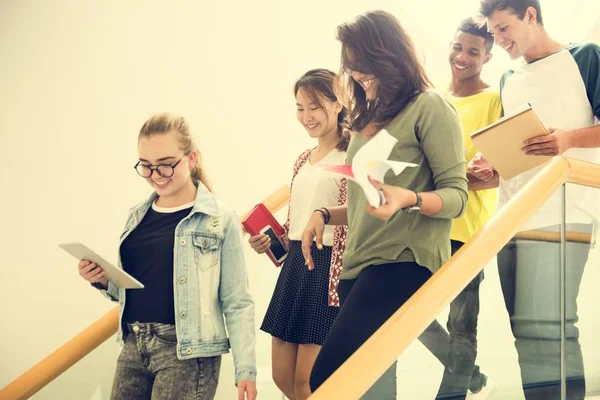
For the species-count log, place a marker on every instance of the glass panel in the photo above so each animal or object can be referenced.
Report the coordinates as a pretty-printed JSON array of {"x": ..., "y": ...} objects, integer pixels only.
[
  {"x": 582, "y": 297},
  {"x": 505, "y": 327},
  {"x": 529, "y": 278},
  {"x": 90, "y": 378}
]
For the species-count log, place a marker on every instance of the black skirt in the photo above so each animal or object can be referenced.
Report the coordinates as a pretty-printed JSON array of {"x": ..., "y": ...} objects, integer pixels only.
[{"x": 298, "y": 311}]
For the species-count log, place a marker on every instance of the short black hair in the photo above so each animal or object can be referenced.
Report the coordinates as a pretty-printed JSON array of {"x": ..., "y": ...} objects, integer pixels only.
[
  {"x": 517, "y": 7},
  {"x": 470, "y": 26}
]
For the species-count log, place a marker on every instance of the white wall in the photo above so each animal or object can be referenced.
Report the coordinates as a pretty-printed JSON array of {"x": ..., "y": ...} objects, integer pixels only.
[{"x": 77, "y": 81}]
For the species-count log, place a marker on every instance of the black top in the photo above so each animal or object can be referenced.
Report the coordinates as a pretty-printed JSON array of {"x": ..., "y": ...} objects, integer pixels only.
[{"x": 147, "y": 254}]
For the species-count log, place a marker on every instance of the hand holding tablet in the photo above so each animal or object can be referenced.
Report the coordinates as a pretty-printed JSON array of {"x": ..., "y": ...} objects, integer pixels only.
[{"x": 114, "y": 274}]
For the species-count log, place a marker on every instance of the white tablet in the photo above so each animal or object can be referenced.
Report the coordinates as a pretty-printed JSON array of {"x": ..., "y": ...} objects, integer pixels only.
[{"x": 114, "y": 274}]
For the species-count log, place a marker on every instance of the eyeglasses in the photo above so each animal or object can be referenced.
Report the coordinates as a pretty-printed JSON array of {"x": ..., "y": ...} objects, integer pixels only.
[{"x": 164, "y": 170}]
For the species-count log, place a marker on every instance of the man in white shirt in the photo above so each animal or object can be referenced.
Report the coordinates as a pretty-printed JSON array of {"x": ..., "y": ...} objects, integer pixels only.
[{"x": 562, "y": 84}]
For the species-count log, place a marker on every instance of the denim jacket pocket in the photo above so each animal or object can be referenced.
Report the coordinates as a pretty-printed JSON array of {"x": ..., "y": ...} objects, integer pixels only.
[{"x": 206, "y": 251}]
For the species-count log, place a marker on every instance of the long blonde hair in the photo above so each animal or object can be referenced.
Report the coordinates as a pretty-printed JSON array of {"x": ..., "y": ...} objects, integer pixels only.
[{"x": 166, "y": 122}]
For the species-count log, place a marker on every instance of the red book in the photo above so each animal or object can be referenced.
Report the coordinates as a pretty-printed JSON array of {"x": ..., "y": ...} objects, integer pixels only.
[{"x": 258, "y": 221}]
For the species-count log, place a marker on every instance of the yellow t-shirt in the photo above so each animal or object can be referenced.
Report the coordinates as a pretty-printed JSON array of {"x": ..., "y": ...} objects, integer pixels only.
[{"x": 475, "y": 112}]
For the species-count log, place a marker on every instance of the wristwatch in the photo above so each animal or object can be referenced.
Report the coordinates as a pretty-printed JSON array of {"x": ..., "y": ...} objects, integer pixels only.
[{"x": 414, "y": 208}]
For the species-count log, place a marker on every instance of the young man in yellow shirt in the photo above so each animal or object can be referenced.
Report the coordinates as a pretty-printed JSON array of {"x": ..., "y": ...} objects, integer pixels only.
[{"x": 477, "y": 105}]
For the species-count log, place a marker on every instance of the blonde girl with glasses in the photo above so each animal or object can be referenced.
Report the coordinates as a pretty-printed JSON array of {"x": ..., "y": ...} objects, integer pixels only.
[{"x": 185, "y": 246}]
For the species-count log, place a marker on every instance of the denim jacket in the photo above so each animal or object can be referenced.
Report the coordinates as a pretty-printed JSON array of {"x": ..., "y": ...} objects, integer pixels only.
[{"x": 210, "y": 283}]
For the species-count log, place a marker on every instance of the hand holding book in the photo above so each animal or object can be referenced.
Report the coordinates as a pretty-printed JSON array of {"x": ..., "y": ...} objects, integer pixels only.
[
  {"x": 509, "y": 142},
  {"x": 554, "y": 143}
]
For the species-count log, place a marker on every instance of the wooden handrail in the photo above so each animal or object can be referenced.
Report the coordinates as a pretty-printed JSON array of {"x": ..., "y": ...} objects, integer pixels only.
[
  {"x": 89, "y": 339},
  {"x": 353, "y": 378},
  {"x": 275, "y": 202},
  {"x": 545, "y": 236},
  {"x": 584, "y": 173}
]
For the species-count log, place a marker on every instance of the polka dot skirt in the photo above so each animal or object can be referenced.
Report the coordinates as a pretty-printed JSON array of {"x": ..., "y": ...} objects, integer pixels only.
[{"x": 298, "y": 312}]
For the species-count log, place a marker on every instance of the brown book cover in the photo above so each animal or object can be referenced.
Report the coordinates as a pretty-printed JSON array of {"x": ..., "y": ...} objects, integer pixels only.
[{"x": 502, "y": 142}]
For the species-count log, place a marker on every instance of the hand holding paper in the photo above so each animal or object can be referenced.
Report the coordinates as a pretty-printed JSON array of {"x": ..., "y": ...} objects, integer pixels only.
[
  {"x": 396, "y": 198},
  {"x": 371, "y": 161}
]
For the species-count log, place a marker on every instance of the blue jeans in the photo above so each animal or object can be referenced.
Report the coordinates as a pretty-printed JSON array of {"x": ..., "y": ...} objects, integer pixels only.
[
  {"x": 529, "y": 275},
  {"x": 148, "y": 367},
  {"x": 457, "y": 348}
]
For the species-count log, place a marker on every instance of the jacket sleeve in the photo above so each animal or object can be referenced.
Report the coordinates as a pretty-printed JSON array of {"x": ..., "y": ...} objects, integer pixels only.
[{"x": 237, "y": 304}]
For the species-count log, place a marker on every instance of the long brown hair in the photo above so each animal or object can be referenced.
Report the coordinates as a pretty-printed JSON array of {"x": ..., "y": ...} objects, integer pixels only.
[
  {"x": 375, "y": 43},
  {"x": 317, "y": 84},
  {"x": 166, "y": 122}
]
